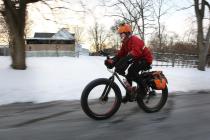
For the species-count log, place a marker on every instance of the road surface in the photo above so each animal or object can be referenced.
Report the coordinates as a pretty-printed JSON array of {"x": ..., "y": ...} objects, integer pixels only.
[{"x": 185, "y": 117}]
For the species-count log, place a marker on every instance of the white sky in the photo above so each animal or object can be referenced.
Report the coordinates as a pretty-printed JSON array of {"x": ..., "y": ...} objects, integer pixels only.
[
  {"x": 66, "y": 17},
  {"x": 177, "y": 22},
  {"x": 39, "y": 83}
]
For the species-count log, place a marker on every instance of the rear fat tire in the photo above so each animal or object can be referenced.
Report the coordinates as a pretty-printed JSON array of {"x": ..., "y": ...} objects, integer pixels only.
[
  {"x": 86, "y": 92},
  {"x": 158, "y": 107}
]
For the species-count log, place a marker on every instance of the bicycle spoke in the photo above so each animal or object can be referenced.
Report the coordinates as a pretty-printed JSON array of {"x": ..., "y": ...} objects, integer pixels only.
[{"x": 103, "y": 102}]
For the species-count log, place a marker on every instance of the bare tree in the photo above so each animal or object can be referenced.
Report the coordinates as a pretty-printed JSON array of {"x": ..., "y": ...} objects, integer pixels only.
[
  {"x": 97, "y": 33},
  {"x": 79, "y": 32},
  {"x": 191, "y": 32},
  {"x": 14, "y": 13},
  {"x": 159, "y": 40},
  {"x": 115, "y": 39},
  {"x": 203, "y": 41},
  {"x": 159, "y": 12},
  {"x": 136, "y": 12},
  {"x": 99, "y": 36}
]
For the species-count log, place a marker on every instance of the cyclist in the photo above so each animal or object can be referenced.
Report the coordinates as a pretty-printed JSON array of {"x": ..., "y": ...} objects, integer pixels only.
[{"x": 132, "y": 52}]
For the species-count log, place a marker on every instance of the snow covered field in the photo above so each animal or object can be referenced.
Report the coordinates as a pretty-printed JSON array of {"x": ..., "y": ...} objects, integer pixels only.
[{"x": 63, "y": 78}]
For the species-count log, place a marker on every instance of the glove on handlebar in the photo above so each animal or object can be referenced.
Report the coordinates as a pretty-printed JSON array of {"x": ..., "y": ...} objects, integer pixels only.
[{"x": 110, "y": 63}]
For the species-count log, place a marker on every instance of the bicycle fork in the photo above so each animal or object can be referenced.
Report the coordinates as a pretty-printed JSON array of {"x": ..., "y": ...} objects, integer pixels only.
[{"x": 104, "y": 96}]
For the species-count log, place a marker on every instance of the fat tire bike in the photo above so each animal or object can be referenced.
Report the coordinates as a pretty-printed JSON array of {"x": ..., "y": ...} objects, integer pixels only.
[{"x": 102, "y": 97}]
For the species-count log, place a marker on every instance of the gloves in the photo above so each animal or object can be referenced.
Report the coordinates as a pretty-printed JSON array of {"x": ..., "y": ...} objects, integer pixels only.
[
  {"x": 110, "y": 63},
  {"x": 123, "y": 64}
]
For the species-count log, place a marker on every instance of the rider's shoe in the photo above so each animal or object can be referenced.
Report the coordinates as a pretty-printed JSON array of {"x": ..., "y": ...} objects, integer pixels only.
[
  {"x": 130, "y": 95},
  {"x": 125, "y": 99}
]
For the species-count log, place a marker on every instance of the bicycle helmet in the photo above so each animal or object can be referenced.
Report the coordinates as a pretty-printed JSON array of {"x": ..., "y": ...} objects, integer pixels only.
[{"x": 124, "y": 28}]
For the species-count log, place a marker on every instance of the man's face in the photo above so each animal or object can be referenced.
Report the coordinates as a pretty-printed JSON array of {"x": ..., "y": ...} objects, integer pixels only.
[{"x": 122, "y": 36}]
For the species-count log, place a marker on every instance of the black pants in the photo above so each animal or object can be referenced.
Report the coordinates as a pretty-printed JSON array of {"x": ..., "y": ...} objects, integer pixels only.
[{"x": 133, "y": 70}]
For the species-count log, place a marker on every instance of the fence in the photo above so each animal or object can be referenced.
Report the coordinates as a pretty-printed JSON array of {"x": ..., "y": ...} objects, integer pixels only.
[
  {"x": 4, "y": 51},
  {"x": 160, "y": 59},
  {"x": 50, "y": 53},
  {"x": 175, "y": 60}
]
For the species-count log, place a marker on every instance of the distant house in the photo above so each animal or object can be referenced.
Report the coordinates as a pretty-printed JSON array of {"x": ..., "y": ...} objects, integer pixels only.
[
  {"x": 81, "y": 51},
  {"x": 48, "y": 43}
]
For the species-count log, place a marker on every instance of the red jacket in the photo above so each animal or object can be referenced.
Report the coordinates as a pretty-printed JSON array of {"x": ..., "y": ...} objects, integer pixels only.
[{"x": 136, "y": 48}]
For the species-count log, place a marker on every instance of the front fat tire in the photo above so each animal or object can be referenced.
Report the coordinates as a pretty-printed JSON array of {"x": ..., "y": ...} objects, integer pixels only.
[
  {"x": 86, "y": 92},
  {"x": 158, "y": 107}
]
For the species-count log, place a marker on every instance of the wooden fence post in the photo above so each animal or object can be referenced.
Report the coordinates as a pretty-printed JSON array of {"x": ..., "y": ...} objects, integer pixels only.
[{"x": 173, "y": 59}]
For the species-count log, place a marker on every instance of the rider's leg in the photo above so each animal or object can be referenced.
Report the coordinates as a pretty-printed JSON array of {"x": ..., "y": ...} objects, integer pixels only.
[
  {"x": 138, "y": 66},
  {"x": 127, "y": 95},
  {"x": 133, "y": 75},
  {"x": 129, "y": 78}
]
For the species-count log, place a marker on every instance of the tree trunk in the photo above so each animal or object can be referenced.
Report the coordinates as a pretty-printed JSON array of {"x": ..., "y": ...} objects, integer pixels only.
[
  {"x": 201, "y": 46},
  {"x": 159, "y": 34},
  {"x": 15, "y": 19},
  {"x": 203, "y": 50},
  {"x": 206, "y": 45},
  {"x": 202, "y": 59},
  {"x": 18, "y": 55}
]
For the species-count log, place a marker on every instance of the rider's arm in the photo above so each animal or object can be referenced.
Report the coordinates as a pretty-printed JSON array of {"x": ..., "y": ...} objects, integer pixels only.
[
  {"x": 137, "y": 47},
  {"x": 122, "y": 52}
]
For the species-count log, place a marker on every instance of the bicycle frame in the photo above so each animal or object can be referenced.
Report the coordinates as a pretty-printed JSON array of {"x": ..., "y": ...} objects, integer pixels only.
[
  {"x": 119, "y": 79},
  {"x": 115, "y": 74},
  {"x": 108, "y": 87}
]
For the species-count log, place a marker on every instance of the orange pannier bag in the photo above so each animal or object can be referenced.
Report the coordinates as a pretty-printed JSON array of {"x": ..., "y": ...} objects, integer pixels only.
[{"x": 159, "y": 80}]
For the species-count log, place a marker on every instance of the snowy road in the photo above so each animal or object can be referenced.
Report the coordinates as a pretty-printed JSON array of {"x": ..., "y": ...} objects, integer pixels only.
[{"x": 185, "y": 116}]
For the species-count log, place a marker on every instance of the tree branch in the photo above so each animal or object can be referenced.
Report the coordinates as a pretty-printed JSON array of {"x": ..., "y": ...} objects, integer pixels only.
[
  {"x": 207, "y": 4},
  {"x": 185, "y": 8},
  {"x": 65, "y": 8},
  {"x": 32, "y": 1}
]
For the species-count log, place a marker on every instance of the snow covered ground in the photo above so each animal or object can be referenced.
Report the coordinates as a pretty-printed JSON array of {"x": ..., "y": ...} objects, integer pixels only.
[{"x": 63, "y": 78}]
